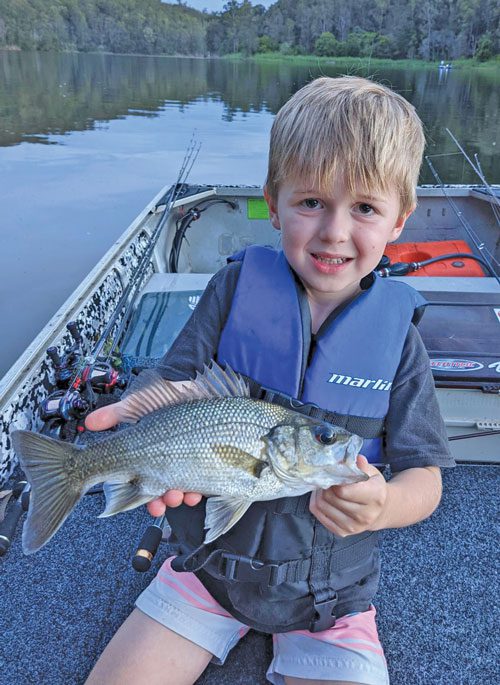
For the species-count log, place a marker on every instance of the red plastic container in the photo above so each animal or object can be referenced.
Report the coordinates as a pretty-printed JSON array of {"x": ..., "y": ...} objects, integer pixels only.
[{"x": 419, "y": 252}]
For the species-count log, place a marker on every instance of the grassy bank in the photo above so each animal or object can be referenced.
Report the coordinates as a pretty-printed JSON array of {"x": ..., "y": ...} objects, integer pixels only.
[{"x": 354, "y": 62}]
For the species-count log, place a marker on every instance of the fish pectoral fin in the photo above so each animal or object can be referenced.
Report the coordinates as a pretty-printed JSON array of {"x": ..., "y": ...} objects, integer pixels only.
[
  {"x": 221, "y": 515},
  {"x": 123, "y": 497}
]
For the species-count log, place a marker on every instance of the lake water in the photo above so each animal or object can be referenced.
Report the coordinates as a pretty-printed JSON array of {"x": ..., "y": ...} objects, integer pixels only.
[{"x": 87, "y": 140}]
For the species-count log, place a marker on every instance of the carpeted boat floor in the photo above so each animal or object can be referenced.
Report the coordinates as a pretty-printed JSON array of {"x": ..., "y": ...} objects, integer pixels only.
[{"x": 437, "y": 604}]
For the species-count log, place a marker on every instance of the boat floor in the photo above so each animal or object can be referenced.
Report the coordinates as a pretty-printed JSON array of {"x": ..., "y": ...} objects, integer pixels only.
[{"x": 437, "y": 604}]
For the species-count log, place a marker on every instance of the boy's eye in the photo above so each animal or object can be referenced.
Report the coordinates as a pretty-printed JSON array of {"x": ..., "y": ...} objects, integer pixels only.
[
  {"x": 311, "y": 203},
  {"x": 365, "y": 208}
]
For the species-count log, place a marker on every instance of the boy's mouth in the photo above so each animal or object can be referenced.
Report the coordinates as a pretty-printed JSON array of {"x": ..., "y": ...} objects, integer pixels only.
[{"x": 323, "y": 258}]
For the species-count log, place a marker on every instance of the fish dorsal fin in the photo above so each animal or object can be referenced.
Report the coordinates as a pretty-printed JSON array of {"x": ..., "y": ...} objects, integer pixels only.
[
  {"x": 150, "y": 391},
  {"x": 214, "y": 381}
]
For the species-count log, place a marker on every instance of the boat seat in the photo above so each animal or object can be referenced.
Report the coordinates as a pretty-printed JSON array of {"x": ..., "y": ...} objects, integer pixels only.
[{"x": 167, "y": 301}]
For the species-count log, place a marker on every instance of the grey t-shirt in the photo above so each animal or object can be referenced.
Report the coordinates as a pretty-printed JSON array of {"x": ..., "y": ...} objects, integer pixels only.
[{"x": 415, "y": 433}]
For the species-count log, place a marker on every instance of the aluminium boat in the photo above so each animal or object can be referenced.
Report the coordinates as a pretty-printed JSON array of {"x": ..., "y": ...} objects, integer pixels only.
[{"x": 60, "y": 606}]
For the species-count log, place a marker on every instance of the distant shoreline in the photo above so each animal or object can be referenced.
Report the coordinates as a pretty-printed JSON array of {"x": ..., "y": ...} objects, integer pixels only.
[{"x": 271, "y": 57}]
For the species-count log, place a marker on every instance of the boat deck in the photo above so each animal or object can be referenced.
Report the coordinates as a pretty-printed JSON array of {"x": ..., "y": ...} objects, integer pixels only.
[{"x": 437, "y": 604}]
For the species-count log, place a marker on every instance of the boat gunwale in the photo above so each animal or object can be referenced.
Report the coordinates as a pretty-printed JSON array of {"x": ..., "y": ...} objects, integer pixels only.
[{"x": 37, "y": 349}]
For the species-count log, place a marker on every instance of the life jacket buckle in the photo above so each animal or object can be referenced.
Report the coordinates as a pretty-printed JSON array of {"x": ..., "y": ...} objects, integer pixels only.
[
  {"x": 247, "y": 569},
  {"x": 324, "y": 618},
  {"x": 284, "y": 400}
]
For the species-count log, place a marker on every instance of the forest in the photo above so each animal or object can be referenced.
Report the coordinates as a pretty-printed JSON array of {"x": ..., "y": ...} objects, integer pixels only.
[{"x": 414, "y": 29}]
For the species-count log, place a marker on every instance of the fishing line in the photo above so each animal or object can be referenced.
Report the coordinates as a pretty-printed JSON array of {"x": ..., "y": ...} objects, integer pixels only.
[{"x": 477, "y": 169}]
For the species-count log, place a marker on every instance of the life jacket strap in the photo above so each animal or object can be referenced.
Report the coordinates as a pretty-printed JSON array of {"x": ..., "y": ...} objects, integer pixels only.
[
  {"x": 367, "y": 428},
  {"x": 225, "y": 565}
]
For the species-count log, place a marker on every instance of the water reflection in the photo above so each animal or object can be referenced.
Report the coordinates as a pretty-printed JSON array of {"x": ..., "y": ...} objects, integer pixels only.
[{"x": 42, "y": 94}]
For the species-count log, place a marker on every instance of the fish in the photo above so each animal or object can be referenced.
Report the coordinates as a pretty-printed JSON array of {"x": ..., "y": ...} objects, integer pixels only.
[{"x": 208, "y": 436}]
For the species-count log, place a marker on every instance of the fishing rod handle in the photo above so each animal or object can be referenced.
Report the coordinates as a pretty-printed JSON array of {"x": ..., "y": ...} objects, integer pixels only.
[
  {"x": 148, "y": 546},
  {"x": 74, "y": 331},
  {"x": 9, "y": 525},
  {"x": 54, "y": 357}
]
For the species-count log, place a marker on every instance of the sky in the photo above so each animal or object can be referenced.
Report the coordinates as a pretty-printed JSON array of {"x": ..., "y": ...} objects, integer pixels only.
[{"x": 217, "y": 5}]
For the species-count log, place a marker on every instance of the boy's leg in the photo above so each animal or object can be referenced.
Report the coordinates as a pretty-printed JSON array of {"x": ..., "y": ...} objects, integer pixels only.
[
  {"x": 176, "y": 630},
  {"x": 349, "y": 652},
  {"x": 144, "y": 651}
]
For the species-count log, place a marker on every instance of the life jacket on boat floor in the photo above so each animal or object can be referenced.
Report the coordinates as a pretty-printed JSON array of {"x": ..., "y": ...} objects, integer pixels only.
[
  {"x": 279, "y": 569},
  {"x": 420, "y": 252}
]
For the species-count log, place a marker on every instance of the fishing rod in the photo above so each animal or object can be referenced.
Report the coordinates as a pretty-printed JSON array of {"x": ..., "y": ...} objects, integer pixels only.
[
  {"x": 149, "y": 543},
  {"x": 476, "y": 168},
  {"x": 468, "y": 229},
  {"x": 494, "y": 206},
  {"x": 20, "y": 495},
  {"x": 189, "y": 160},
  {"x": 78, "y": 375},
  {"x": 135, "y": 280}
]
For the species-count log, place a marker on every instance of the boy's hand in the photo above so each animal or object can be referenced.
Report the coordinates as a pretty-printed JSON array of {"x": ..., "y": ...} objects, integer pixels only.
[
  {"x": 349, "y": 509},
  {"x": 108, "y": 417}
]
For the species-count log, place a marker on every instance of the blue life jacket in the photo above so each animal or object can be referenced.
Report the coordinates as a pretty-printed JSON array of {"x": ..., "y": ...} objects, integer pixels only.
[{"x": 279, "y": 569}]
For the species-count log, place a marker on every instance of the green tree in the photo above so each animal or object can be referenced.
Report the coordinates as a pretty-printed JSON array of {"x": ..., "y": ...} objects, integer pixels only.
[
  {"x": 265, "y": 44},
  {"x": 327, "y": 45},
  {"x": 484, "y": 50}
]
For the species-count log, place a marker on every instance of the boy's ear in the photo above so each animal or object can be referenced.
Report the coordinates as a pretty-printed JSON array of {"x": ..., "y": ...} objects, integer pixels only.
[
  {"x": 273, "y": 210},
  {"x": 400, "y": 224}
]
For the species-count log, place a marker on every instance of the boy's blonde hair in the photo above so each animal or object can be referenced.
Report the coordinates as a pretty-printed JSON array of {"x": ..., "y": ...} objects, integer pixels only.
[{"x": 347, "y": 127}]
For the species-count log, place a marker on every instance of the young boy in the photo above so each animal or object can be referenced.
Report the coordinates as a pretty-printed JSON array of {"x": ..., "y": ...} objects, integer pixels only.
[{"x": 314, "y": 323}]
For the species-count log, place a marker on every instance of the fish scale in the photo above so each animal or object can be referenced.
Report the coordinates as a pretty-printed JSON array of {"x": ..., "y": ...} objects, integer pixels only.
[
  {"x": 209, "y": 437},
  {"x": 176, "y": 442}
]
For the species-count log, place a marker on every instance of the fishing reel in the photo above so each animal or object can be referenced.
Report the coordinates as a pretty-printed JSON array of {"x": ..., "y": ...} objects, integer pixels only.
[
  {"x": 104, "y": 377},
  {"x": 66, "y": 366},
  {"x": 64, "y": 405}
]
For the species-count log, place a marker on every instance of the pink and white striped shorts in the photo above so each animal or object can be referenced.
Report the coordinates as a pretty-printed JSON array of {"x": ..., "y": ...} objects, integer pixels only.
[{"x": 350, "y": 651}]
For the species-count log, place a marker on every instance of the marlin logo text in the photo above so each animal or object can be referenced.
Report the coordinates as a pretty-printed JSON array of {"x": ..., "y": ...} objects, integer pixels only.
[{"x": 355, "y": 382}]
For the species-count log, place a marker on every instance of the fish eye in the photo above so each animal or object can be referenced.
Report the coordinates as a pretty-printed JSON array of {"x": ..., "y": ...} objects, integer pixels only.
[{"x": 325, "y": 435}]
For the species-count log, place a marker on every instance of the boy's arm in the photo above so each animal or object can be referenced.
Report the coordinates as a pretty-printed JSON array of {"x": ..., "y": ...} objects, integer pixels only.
[
  {"x": 410, "y": 496},
  {"x": 416, "y": 448}
]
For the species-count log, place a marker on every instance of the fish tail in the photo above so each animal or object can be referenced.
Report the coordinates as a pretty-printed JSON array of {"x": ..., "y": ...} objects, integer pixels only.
[{"x": 54, "y": 492}]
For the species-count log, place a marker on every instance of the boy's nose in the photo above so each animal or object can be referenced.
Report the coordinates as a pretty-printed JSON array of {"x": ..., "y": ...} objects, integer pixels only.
[{"x": 335, "y": 227}]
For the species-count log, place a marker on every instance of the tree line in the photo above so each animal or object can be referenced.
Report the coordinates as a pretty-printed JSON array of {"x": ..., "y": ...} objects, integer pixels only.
[{"x": 414, "y": 29}]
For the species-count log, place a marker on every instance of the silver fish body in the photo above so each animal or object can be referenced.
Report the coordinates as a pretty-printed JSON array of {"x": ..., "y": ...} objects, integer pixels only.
[{"x": 221, "y": 443}]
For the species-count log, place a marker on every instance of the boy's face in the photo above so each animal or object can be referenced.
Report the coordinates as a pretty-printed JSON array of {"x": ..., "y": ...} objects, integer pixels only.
[{"x": 332, "y": 240}]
